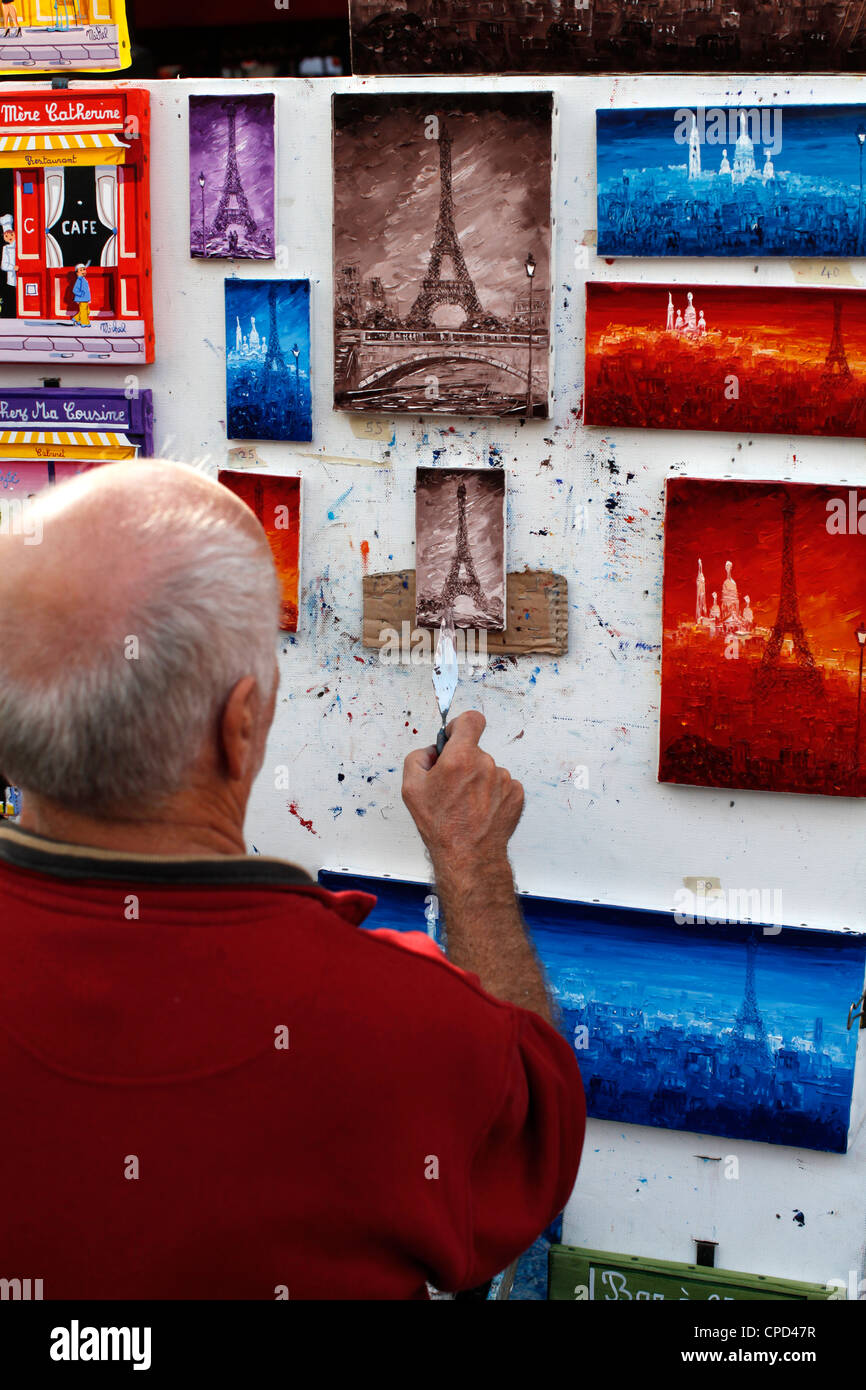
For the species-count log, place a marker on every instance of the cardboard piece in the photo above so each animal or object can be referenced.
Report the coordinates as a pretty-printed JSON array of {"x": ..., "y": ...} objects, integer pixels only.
[{"x": 536, "y": 611}]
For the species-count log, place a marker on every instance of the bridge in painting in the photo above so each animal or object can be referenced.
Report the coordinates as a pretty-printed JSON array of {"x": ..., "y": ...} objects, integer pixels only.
[{"x": 368, "y": 359}]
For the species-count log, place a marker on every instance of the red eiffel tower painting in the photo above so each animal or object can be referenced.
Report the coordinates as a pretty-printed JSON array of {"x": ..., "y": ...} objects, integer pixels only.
[{"x": 764, "y": 592}]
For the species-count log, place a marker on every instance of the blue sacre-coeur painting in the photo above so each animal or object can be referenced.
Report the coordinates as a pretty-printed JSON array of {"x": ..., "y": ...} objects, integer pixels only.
[
  {"x": 268, "y": 392},
  {"x": 768, "y": 180},
  {"x": 726, "y": 1029}
]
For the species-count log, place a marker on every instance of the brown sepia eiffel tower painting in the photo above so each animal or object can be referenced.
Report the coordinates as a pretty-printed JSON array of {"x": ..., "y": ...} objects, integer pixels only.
[{"x": 442, "y": 253}]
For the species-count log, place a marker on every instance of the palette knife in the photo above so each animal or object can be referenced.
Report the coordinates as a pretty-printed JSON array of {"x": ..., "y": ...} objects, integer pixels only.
[{"x": 445, "y": 674}]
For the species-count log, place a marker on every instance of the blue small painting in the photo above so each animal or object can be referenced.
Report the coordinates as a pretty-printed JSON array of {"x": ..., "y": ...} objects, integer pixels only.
[
  {"x": 268, "y": 392},
  {"x": 731, "y": 181},
  {"x": 729, "y": 1029}
]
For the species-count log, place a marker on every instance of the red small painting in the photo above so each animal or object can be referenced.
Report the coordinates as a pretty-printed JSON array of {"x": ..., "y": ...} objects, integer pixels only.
[{"x": 276, "y": 502}]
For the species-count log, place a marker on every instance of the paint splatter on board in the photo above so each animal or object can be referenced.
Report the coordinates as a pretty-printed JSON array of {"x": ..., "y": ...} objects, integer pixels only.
[{"x": 307, "y": 824}]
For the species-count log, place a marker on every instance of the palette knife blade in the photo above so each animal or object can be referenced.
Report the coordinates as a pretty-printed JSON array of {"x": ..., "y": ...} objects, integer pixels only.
[{"x": 445, "y": 673}]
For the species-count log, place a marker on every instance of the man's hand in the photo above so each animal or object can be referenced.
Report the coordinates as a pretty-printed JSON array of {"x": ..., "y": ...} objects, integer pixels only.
[{"x": 465, "y": 807}]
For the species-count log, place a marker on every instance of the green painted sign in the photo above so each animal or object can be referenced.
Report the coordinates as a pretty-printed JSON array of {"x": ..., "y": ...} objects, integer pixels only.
[{"x": 598, "y": 1276}]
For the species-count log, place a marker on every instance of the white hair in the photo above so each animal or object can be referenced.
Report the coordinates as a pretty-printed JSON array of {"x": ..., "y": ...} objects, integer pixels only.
[{"x": 121, "y": 723}]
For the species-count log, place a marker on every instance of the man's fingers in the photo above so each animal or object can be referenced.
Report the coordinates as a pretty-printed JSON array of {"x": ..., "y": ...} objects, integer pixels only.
[
  {"x": 467, "y": 728},
  {"x": 419, "y": 762}
]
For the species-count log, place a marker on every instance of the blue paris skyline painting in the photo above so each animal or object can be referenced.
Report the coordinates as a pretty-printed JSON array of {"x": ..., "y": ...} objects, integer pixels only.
[
  {"x": 728, "y": 1029},
  {"x": 731, "y": 181},
  {"x": 268, "y": 393}
]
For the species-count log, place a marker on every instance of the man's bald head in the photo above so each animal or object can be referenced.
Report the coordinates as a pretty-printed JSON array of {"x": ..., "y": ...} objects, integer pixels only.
[{"x": 151, "y": 594}]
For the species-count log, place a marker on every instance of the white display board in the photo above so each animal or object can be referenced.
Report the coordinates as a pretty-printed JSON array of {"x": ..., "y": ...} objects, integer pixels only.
[{"x": 581, "y": 731}]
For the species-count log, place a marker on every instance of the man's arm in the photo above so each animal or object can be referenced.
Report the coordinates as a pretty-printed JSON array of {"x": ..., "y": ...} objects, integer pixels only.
[{"x": 466, "y": 810}]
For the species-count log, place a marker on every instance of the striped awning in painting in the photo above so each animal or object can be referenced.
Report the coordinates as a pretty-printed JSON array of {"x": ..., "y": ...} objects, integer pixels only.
[
  {"x": 39, "y": 147},
  {"x": 75, "y": 444}
]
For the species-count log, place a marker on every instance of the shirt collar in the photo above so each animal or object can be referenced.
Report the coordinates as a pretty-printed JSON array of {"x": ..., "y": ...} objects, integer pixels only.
[{"x": 22, "y": 849}]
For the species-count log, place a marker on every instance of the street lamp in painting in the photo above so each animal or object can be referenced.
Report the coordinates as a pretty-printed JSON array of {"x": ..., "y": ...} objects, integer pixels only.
[
  {"x": 201, "y": 184},
  {"x": 860, "y": 633},
  {"x": 296, "y": 352},
  {"x": 530, "y": 271},
  {"x": 861, "y": 141}
]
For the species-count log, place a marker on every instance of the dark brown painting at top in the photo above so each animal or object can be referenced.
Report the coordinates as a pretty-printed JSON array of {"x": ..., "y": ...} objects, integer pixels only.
[
  {"x": 442, "y": 253},
  {"x": 549, "y": 36}
]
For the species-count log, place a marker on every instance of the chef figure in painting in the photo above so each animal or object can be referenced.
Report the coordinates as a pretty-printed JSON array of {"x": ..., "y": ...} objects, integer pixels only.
[
  {"x": 7, "y": 258},
  {"x": 8, "y": 268},
  {"x": 81, "y": 295}
]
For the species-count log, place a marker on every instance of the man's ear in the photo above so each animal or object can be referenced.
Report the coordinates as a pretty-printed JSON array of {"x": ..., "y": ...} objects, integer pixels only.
[{"x": 237, "y": 728}]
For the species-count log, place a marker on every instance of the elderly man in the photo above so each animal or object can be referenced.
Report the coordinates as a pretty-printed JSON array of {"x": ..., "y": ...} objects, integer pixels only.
[{"x": 213, "y": 1084}]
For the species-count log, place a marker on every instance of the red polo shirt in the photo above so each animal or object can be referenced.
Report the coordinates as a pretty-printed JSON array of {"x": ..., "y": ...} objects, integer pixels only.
[{"x": 213, "y": 1085}]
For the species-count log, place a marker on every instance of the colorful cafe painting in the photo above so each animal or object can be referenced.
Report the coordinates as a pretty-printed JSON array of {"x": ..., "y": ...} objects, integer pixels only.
[{"x": 75, "y": 270}]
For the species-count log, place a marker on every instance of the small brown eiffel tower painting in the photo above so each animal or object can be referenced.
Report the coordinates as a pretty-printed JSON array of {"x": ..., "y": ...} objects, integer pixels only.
[{"x": 460, "y": 567}]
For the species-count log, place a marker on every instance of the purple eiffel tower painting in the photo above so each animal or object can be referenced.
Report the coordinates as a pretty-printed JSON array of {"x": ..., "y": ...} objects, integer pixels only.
[{"x": 231, "y": 177}]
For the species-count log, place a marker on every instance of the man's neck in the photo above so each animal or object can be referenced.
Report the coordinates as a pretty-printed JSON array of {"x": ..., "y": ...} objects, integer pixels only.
[{"x": 180, "y": 828}]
